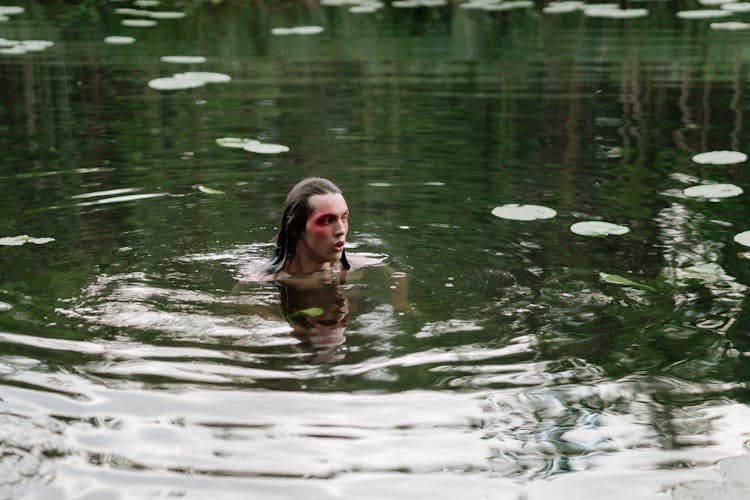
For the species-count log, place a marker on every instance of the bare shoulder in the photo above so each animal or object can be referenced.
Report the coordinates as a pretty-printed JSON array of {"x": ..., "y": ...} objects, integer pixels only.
[{"x": 361, "y": 260}]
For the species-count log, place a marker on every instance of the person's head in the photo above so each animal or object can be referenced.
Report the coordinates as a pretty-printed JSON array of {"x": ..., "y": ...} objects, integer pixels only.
[{"x": 314, "y": 223}]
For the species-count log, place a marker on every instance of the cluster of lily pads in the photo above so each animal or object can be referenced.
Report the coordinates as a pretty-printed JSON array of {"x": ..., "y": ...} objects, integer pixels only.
[
  {"x": 19, "y": 47},
  {"x": 598, "y": 228},
  {"x": 188, "y": 80},
  {"x": 612, "y": 10},
  {"x": 141, "y": 18},
  {"x": 251, "y": 145},
  {"x": 9, "y": 10},
  {"x": 23, "y": 239}
]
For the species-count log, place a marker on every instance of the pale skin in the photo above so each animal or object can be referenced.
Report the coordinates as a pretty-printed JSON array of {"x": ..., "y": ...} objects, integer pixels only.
[
  {"x": 320, "y": 247},
  {"x": 322, "y": 243}
]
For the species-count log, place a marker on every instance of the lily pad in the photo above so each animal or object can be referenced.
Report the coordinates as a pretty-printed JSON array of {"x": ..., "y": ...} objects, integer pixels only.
[
  {"x": 298, "y": 30},
  {"x": 736, "y": 7},
  {"x": 621, "y": 280},
  {"x": 175, "y": 83},
  {"x": 265, "y": 148},
  {"x": 713, "y": 191},
  {"x": 720, "y": 157},
  {"x": 730, "y": 26},
  {"x": 702, "y": 270},
  {"x": 743, "y": 238},
  {"x": 205, "y": 76},
  {"x": 310, "y": 312},
  {"x": 183, "y": 59},
  {"x": 22, "y": 239},
  {"x": 10, "y": 10},
  {"x": 598, "y": 228},
  {"x": 615, "y": 13},
  {"x": 119, "y": 40},
  {"x": 167, "y": 15},
  {"x": 703, "y": 14},
  {"x": 235, "y": 142},
  {"x": 208, "y": 190},
  {"x": 138, "y": 23},
  {"x": 562, "y": 7},
  {"x": 514, "y": 211}
]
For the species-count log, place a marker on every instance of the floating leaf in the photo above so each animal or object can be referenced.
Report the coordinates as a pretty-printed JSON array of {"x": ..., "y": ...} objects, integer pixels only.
[
  {"x": 514, "y": 211},
  {"x": 711, "y": 268},
  {"x": 298, "y": 30},
  {"x": 264, "y": 148},
  {"x": 713, "y": 191},
  {"x": 205, "y": 76},
  {"x": 720, "y": 157},
  {"x": 119, "y": 40},
  {"x": 175, "y": 83},
  {"x": 133, "y": 12},
  {"x": 310, "y": 312},
  {"x": 183, "y": 59},
  {"x": 615, "y": 13},
  {"x": 598, "y": 228},
  {"x": 22, "y": 239},
  {"x": 235, "y": 142},
  {"x": 36, "y": 45},
  {"x": 207, "y": 190},
  {"x": 138, "y": 23},
  {"x": 562, "y": 7},
  {"x": 620, "y": 280},
  {"x": 743, "y": 238},
  {"x": 10, "y": 10},
  {"x": 736, "y": 7},
  {"x": 730, "y": 26},
  {"x": 167, "y": 15},
  {"x": 703, "y": 14}
]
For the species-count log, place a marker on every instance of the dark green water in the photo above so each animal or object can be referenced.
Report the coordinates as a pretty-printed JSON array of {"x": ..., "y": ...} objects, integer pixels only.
[{"x": 486, "y": 360}]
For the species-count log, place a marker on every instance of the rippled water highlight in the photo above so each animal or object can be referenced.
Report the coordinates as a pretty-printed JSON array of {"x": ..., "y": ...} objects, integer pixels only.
[{"x": 478, "y": 357}]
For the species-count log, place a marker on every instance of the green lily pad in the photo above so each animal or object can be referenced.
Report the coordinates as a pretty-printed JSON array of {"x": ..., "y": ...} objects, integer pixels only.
[
  {"x": 514, "y": 211},
  {"x": 703, "y": 14},
  {"x": 310, "y": 312},
  {"x": 598, "y": 228},
  {"x": 730, "y": 26},
  {"x": 743, "y": 238},
  {"x": 138, "y": 23},
  {"x": 621, "y": 280},
  {"x": 235, "y": 142},
  {"x": 119, "y": 40},
  {"x": 183, "y": 59},
  {"x": 265, "y": 148},
  {"x": 175, "y": 83},
  {"x": 713, "y": 191},
  {"x": 720, "y": 157},
  {"x": 208, "y": 190},
  {"x": 22, "y": 239},
  {"x": 298, "y": 30}
]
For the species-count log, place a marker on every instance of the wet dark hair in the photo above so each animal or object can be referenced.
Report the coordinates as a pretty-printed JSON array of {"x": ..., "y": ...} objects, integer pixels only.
[{"x": 294, "y": 219}]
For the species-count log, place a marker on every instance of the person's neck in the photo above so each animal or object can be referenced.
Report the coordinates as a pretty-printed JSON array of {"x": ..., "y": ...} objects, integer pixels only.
[{"x": 302, "y": 267}]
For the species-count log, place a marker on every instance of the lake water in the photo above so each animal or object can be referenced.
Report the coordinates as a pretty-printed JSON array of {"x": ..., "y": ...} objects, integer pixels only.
[{"x": 484, "y": 358}]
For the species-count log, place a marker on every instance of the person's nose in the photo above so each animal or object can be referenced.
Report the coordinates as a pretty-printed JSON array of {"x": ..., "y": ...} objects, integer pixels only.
[{"x": 340, "y": 228}]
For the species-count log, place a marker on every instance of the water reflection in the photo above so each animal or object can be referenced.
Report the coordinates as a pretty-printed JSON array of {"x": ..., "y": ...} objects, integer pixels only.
[{"x": 318, "y": 316}]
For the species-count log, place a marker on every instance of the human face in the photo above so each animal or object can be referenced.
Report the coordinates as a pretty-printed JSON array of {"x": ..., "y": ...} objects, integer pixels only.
[{"x": 325, "y": 232}]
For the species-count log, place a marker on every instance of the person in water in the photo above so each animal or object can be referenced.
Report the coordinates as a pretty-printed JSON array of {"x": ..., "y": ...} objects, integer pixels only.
[{"x": 312, "y": 237}]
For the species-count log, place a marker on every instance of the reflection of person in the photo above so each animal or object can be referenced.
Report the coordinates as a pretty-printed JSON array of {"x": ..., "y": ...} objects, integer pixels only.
[
  {"x": 309, "y": 264},
  {"x": 318, "y": 315},
  {"x": 311, "y": 239}
]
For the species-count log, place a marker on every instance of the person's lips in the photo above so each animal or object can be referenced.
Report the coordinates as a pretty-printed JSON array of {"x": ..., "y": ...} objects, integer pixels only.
[{"x": 339, "y": 247}]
